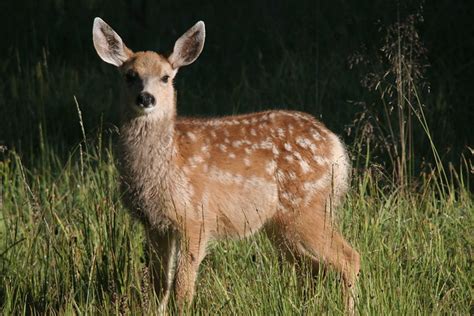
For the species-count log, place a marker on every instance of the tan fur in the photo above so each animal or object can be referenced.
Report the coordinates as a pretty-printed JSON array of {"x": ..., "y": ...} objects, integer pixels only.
[{"x": 195, "y": 180}]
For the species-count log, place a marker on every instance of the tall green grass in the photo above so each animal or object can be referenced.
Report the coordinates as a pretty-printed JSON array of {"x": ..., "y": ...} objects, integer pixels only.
[{"x": 68, "y": 246}]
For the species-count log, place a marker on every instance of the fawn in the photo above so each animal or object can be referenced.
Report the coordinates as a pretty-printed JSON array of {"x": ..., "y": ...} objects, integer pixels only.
[{"x": 194, "y": 180}]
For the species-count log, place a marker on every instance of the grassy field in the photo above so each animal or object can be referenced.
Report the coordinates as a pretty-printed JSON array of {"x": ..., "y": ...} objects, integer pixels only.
[{"x": 68, "y": 246}]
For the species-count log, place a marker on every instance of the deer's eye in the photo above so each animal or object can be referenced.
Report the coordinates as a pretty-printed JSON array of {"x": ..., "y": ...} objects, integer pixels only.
[
  {"x": 131, "y": 77},
  {"x": 165, "y": 78}
]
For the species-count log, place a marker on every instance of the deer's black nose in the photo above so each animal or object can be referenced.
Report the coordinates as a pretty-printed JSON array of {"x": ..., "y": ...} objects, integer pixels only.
[{"x": 145, "y": 100}]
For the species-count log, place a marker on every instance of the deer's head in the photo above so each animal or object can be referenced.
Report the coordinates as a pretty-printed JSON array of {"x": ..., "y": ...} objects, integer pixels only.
[{"x": 148, "y": 75}]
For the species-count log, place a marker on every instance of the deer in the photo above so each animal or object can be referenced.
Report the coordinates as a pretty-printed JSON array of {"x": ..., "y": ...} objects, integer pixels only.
[{"x": 192, "y": 181}]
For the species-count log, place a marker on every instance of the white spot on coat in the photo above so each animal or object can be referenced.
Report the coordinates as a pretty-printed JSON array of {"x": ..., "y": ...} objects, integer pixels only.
[
  {"x": 303, "y": 142},
  {"x": 205, "y": 148},
  {"x": 275, "y": 151},
  {"x": 236, "y": 143},
  {"x": 247, "y": 162},
  {"x": 271, "y": 167},
  {"x": 304, "y": 166},
  {"x": 222, "y": 147},
  {"x": 191, "y": 136},
  {"x": 266, "y": 144},
  {"x": 281, "y": 132},
  {"x": 289, "y": 158}
]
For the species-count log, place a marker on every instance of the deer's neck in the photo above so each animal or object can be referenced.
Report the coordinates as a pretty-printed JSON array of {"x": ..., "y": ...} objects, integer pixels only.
[
  {"x": 147, "y": 150},
  {"x": 147, "y": 146}
]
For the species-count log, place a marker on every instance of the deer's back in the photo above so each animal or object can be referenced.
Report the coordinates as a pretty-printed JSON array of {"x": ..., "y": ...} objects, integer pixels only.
[{"x": 248, "y": 167}]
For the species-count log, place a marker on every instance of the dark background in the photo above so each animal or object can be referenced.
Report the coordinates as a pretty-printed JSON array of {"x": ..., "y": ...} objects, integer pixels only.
[{"x": 258, "y": 55}]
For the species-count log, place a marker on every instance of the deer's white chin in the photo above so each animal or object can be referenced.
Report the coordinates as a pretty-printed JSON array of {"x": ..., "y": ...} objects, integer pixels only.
[{"x": 143, "y": 110}]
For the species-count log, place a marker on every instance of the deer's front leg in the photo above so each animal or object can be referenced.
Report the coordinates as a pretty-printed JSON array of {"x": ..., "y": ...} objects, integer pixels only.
[
  {"x": 163, "y": 247},
  {"x": 192, "y": 252}
]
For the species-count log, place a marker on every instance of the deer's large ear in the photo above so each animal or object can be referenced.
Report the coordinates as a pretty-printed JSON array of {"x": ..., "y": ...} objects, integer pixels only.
[
  {"x": 189, "y": 46},
  {"x": 108, "y": 44}
]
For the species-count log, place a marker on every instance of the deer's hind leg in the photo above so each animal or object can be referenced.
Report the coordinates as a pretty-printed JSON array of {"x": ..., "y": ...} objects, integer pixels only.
[
  {"x": 317, "y": 239},
  {"x": 287, "y": 247},
  {"x": 309, "y": 233}
]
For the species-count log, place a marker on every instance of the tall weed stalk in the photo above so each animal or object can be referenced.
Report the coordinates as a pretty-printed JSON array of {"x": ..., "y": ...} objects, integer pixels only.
[{"x": 395, "y": 76}]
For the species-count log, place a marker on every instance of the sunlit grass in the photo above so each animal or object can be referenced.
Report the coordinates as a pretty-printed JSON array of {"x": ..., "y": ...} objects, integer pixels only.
[{"x": 68, "y": 246}]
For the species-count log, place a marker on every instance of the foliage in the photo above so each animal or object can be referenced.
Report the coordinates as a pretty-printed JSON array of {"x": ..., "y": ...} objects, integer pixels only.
[{"x": 68, "y": 246}]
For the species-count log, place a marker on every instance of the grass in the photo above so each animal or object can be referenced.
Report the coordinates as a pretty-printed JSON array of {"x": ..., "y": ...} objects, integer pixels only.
[{"x": 68, "y": 246}]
